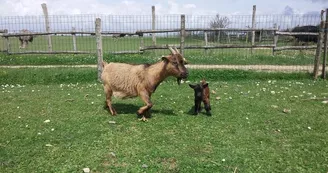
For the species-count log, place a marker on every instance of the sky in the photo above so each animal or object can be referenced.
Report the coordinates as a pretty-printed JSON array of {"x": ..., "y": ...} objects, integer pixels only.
[{"x": 143, "y": 7}]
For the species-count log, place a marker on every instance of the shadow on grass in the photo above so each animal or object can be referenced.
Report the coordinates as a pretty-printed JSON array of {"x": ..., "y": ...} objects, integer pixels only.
[
  {"x": 132, "y": 109},
  {"x": 192, "y": 112}
]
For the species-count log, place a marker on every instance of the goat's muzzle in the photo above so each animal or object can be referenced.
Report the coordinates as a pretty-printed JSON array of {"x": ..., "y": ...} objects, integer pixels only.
[{"x": 183, "y": 75}]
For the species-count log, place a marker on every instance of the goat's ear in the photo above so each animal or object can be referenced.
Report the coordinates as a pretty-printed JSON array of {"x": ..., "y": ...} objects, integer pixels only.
[
  {"x": 205, "y": 85},
  {"x": 166, "y": 58},
  {"x": 192, "y": 86}
]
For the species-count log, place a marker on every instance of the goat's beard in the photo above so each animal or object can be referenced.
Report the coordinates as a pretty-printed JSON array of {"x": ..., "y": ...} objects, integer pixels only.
[{"x": 179, "y": 80}]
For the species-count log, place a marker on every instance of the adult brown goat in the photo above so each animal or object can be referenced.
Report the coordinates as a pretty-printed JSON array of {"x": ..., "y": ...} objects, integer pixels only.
[{"x": 126, "y": 80}]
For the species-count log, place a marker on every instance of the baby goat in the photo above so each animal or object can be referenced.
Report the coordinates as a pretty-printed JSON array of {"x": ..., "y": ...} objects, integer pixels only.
[{"x": 202, "y": 93}]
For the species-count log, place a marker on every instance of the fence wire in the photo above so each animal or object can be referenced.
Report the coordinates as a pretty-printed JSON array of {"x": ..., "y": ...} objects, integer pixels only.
[{"x": 126, "y": 40}]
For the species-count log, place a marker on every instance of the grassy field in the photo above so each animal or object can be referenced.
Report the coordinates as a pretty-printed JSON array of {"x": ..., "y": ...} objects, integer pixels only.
[
  {"x": 54, "y": 120},
  {"x": 226, "y": 57},
  {"x": 87, "y": 43}
]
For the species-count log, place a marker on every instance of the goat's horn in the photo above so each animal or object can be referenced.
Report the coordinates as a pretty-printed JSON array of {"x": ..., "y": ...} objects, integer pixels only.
[
  {"x": 176, "y": 50},
  {"x": 172, "y": 50}
]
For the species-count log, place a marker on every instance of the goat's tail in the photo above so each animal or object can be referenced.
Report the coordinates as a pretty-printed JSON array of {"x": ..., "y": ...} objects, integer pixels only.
[{"x": 104, "y": 64}]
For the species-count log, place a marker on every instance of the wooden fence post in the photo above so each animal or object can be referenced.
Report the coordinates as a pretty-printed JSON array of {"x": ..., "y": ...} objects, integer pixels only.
[
  {"x": 153, "y": 24},
  {"x": 246, "y": 37},
  {"x": 319, "y": 48},
  {"x": 219, "y": 34},
  {"x": 46, "y": 18},
  {"x": 74, "y": 39},
  {"x": 99, "y": 47},
  {"x": 253, "y": 26},
  {"x": 7, "y": 41},
  {"x": 206, "y": 40},
  {"x": 275, "y": 38},
  {"x": 182, "y": 34},
  {"x": 142, "y": 42},
  {"x": 228, "y": 37},
  {"x": 324, "y": 62}
]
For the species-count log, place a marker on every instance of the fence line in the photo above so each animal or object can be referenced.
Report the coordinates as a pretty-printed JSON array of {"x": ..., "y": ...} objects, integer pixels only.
[
  {"x": 188, "y": 32},
  {"x": 182, "y": 31}
]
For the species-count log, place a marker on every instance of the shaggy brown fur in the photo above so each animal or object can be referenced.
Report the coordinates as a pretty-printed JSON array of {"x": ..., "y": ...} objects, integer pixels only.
[
  {"x": 206, "y": 97},
  {"x": 25, "y": 39},
  {"x": 126, "y": 80}
]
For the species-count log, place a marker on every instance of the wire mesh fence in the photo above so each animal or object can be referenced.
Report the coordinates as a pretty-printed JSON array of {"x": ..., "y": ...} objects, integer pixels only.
[{"x": 121, "y": 36}]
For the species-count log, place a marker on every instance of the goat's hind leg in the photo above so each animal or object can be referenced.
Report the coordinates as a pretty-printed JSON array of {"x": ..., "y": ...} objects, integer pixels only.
[
  {"x": 208, "y": 109},
  {"x": 109, "y": 93}
]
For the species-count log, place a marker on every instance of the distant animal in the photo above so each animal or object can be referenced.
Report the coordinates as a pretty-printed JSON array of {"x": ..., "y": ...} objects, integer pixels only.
[
  {"x": 25, "y": 39},
  {"x": 118, "y": 35},
  {"x": 306, "y": 38},
  {"x": 201, "y": 94},
  {"x": 126, "y": 80}
]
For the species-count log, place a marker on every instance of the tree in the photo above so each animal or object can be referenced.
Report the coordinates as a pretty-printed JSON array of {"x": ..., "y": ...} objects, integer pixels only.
[{"x": 218, "y": 22}]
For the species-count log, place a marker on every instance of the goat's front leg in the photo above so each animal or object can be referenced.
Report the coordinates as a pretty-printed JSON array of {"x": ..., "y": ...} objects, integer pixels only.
[
  {"x": 197, "y": 106},
  {"x": 109, "y": 93},
  {"x": 145, "y": 110}
]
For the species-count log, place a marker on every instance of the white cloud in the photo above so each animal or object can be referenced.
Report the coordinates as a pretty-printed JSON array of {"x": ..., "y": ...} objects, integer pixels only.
[
  {"x": 20, "y": 7},
  {"x": 322, "y": 1},
  {"x": 189, "y": 6},
  {"x": 65, "y": 7}
]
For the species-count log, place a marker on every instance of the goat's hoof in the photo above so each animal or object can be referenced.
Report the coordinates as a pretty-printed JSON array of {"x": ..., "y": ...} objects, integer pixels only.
[
  {"x": 209, "y": 114},
  {"x": 144, "y": 119},
  {"x": 113, "y": 112}
]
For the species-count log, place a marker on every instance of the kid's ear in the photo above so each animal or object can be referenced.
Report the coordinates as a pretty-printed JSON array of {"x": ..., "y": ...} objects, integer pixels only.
[
  {"x": 205, "y": 85},
  {"x": 192, "y": 86}
]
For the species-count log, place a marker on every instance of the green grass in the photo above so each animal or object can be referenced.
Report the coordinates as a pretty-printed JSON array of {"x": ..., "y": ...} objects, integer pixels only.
[
  {"x": 193, "y": 56},
  {"x": 246, "y": 132},
  {"x": 87, "y": 43},
  {"x": 87, "y": 75}
]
